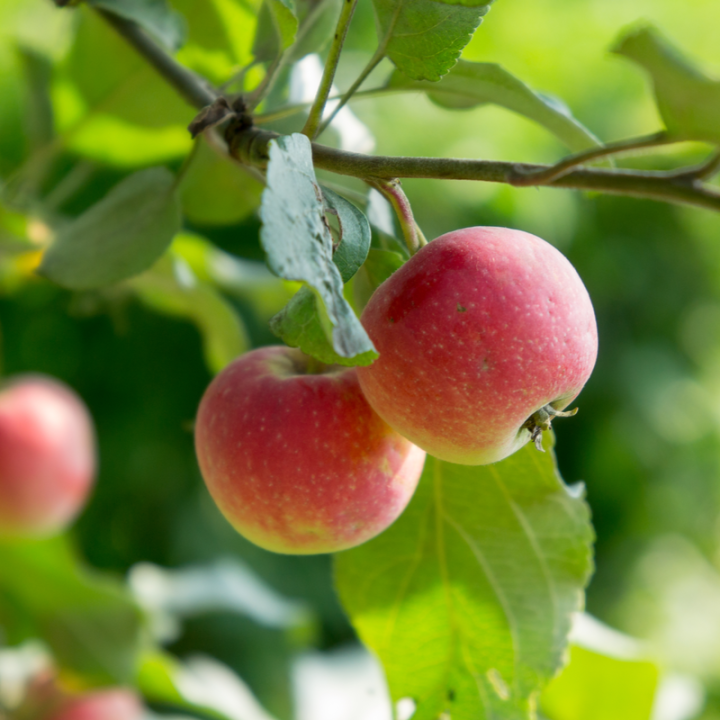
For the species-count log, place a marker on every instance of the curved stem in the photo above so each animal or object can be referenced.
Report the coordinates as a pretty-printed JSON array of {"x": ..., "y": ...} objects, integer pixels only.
[
  {"x": 318, "y": 107},
  {"x": 372, "y": 64},
  {"x": 393, "y": 192}
]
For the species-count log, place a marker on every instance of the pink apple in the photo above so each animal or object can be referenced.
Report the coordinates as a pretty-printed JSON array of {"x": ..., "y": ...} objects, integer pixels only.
[
  {"x": 296, "y": 459},
  {"x": 110, "y": 704},
  {"x": 47, "y": 456},
  {"x": 484, "y": 335}
]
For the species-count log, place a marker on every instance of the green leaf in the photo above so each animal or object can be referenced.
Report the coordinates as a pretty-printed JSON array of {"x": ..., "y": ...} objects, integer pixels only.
[
  {"x": 118, "y": 237},
  {"x": 155, "y": 16},
  {"x": 424, "y": 38},
  {"x": 355, "y": 233},
  {"x": 298, "y": 324},
  {"x": 611, "y": 679},
  {"x": 467, "y": 598},
  {"x": 298, "y": 243},
  {"x": 688, "y": 100},
  {"x": 91, "y": 623},
  {"x": 276, "y": 29},
  {"x": 318, "y": 19},
  {"x": 470, "y": 84},
  {"x": 216, "y": 190},
  {"x": 171, "y": 287}
]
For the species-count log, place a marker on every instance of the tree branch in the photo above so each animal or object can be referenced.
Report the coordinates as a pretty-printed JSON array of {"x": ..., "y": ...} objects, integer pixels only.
[{"x": 251, "y": 146}]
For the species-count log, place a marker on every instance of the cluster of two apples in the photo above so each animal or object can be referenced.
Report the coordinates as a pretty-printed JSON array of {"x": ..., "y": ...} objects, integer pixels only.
[{"x": 483, "y": 336}]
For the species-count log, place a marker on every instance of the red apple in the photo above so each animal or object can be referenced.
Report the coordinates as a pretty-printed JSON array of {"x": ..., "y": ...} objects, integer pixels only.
[
  {"x": 296, "y": 459},
  {"x": 484, "y": 335},
  {"x": 111, "y": 704},
  {"x": 47, "y": 456}
]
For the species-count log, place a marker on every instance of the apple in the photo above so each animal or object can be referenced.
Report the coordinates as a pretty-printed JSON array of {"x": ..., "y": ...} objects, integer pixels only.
[
  {"x": 110, "y": 704},
  {"x": 47, "y": 456},
  {"x": 484, "y": 336},
  {"x": 296, "y": 459}
]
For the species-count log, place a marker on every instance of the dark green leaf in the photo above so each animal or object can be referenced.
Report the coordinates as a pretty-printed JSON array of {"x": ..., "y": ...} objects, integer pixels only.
[
  {"x": 298, "y": 243},
  {"x": 467, "y": 598},
  {"x": 276, "y": 29},
  {"x": 40, "y": 125},
  {"x": 298, "y": 324},
  {"x": 91, "y": 624},
  {"x": 155, "y": 16},
  {"x": 424, "y": 38},
  {"x": 688, "y": 100},
  {"x": 470, "y": 84},
  {"x": 118, "y": 237},
  {"x": 355, "y": 238},
  {"x": 317, "y": 24}
]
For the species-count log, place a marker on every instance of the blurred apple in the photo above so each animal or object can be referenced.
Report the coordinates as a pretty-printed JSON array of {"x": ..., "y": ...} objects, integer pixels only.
[
  {"x": 47, "y": 456},
  {"x": 296, "y": 459},
  {"x": 110, "y": 704}
]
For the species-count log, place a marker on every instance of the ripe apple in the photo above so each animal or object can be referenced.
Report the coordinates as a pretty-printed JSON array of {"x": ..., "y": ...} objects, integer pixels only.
[
  {"x": 110, "y": 704},
  {"x": 47, "y": 456},
  {"x": 296, "y": 459},
  {"x": 484, "y": 336}
]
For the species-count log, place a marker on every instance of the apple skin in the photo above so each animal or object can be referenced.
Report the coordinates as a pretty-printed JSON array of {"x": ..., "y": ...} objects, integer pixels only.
[
  {"x": 296, "y": 460},
  {"x": 110, "y": 704},
  {"x": 47, "y": 456},
  {"x": 478, "y": 331}
]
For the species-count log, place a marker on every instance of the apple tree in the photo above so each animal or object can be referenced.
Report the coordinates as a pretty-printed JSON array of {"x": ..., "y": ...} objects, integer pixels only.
[{"x": 185, "y": 180}]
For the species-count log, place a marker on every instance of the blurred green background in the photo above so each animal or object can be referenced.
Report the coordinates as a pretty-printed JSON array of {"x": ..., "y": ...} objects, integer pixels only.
[{"x": 646, "y": 440}]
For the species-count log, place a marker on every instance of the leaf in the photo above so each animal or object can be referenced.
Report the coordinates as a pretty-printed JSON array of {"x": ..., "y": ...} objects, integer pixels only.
[
  {"x": 276, "y": 29},
  {"x": 119, "y": 236},
  {"x": 318, "y": 19},
  {"x": 424, "y": 38},
  {"x": 355, "y": 235},
  {"x": 470, "y": 84},
  {"x": 298, "y": 243},
  {"x": 155, "y": 16},
  {"x": 170, "y": 287},
  {"x": 215, "y": 190},
  {"x": 91, "y": 623},
  {"x": 298, "y": 324},
  {"x": 467, "y": 598},
  {"x": 688, "y": 100},
  {"x": 607, "y": 676}
]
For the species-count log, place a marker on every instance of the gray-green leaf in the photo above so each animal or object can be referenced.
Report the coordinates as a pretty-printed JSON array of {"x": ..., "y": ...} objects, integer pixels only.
[
  {"x": 688, "y": 100},
  {"x": 155, "y": 16},
  {"x": 354, "y": 244},
  {"x": 467, "y": 598},
  {"x": 118, "y": 237},
  {"x": 298, "y": 243},
  {"x": 424, "y": 38},
  {"x": 470, "y": 84}
]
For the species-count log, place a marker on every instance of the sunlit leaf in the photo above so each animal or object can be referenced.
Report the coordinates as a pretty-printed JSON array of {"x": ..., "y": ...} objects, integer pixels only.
[
  {"x": 470, "y": 84},
  {"x": 298, "y": 243},
  {"x": 424, "y": 38},
  {"x": 90, "y": 622},
  {"x": 119, "y": 236},
  {"x": 155, "y": 16},
  {"x": 688, "y": 100},
  {"x": 467, "y": 598}
]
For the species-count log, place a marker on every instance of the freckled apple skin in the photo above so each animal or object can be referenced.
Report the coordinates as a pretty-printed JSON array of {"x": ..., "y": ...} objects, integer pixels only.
[
  {"x": 480, "y": 329},
  {"x": 47, "y": 456},
  {"x": 111, "y": 704},
  {"x": 300, "y": 463}
]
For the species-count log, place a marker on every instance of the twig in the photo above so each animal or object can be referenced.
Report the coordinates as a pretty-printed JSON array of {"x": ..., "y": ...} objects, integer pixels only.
[
  {"x": 703, "y": 171},
  {"x": 372, "y": 64},
  {"x": 192, "y": 87},
  {"x": 554, "y": 172},
  {"x": 318, "y": 107}
]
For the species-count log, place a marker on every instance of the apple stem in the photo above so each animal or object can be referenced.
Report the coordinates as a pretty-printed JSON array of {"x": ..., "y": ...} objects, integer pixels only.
[
  {"x": 393, "y": 192},
  {"x": 541, "y": 419}
]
